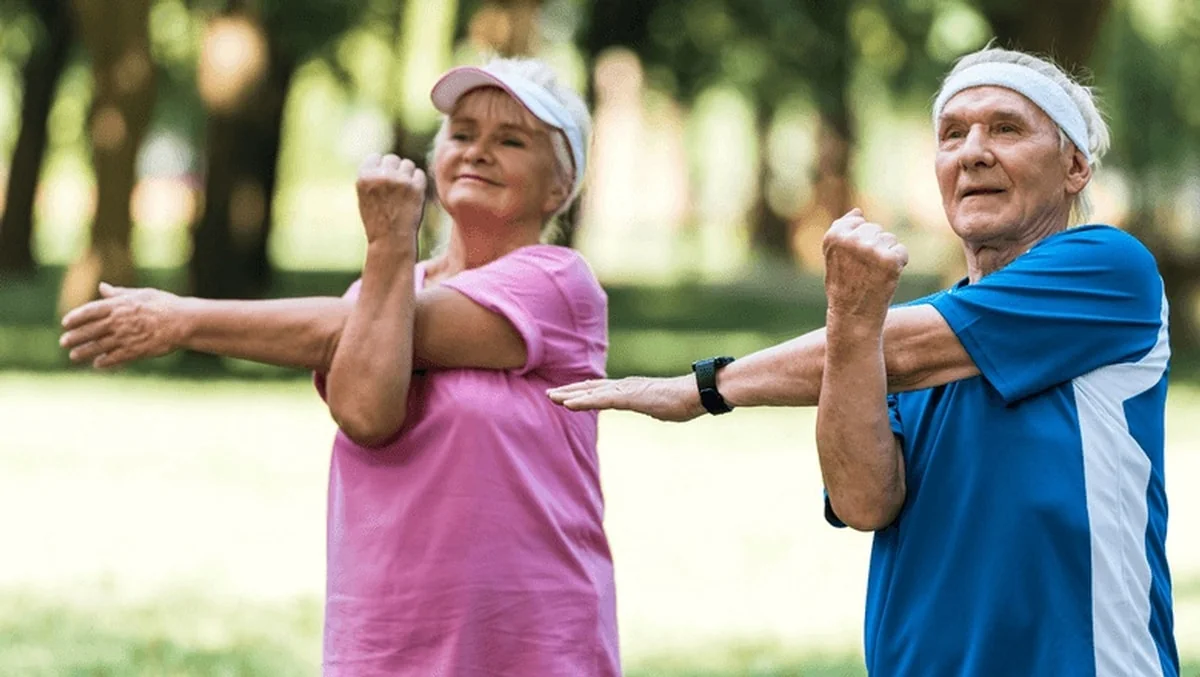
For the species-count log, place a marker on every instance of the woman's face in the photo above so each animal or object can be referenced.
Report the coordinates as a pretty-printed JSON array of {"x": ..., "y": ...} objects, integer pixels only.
[{"x": 496, "y": 162}]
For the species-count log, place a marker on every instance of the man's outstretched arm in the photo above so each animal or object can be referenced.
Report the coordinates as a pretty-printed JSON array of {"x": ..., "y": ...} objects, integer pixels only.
[{"x": 919, "y": 349}]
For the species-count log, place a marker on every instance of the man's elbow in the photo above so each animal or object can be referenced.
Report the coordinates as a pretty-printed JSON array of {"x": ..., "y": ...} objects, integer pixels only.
[{"x": 872, "y": 515}]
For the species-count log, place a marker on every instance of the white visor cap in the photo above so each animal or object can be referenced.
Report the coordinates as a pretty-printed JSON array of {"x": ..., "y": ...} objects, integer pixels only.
[{"x": 534, "y": 97}]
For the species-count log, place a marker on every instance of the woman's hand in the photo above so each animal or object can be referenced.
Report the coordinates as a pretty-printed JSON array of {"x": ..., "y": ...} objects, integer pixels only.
[
  {"x": 391, "y": 198},
  {"x": 123, "y": 326}
]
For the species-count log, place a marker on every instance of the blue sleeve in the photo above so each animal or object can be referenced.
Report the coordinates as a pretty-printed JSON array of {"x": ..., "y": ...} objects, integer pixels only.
[
  {"x": 1082, "y": 299},
  {"x": 897, "y": 430}
]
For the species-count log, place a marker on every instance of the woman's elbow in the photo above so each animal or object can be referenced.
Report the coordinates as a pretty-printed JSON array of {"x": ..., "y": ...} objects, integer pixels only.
[{"x": 365, "y": 427}]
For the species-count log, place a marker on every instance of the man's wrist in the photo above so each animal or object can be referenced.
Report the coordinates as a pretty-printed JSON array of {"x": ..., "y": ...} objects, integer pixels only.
[
  {"x": 182, "y": 316},
  {"x": 854, "y": 327},
  {"x": 691, "y": 396},
  {"x": 706, "y": 384}
]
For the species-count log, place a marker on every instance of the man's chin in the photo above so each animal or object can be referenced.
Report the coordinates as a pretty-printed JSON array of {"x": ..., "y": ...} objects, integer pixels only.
[{"x": 973, "y": 225}]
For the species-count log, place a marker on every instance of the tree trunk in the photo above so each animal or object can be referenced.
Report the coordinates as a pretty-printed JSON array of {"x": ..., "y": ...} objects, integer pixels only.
[
  {"x": 1065, "y": 30},
  {"x": 832, "y": 189},
  {"x": 40, "y": 83},
  {"x": 508, "y": 27},
  {"x": 229, "y": 255},
  {"x": 770, "y": 233},
  {"x": 1177, "y": 265},
  {"x": 116, "y": 35}
]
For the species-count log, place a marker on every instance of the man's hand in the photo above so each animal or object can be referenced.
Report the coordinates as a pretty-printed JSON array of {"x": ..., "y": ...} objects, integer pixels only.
[
  {"x": 123, "y": 326},
  {"x": 666, "y": 399},
  {"x": 862, "y": 267},
  {"x": 391, "y": 198}
]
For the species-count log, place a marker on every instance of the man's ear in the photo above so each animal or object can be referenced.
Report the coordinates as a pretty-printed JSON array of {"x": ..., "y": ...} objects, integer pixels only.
[{"x": 1079, "y": 172}]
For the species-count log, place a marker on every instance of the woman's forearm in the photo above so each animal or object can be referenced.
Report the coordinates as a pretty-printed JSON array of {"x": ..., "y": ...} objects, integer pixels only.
[
  {"x": 301, "y": 332},
  {"x": 372, "y": 364}
]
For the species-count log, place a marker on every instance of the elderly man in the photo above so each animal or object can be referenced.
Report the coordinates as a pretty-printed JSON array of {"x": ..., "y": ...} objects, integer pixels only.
[{"x": 1003, "y": 438}]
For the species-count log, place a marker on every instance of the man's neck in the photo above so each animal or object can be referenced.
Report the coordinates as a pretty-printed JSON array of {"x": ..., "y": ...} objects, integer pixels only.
[{"x": 987, "y": 257}]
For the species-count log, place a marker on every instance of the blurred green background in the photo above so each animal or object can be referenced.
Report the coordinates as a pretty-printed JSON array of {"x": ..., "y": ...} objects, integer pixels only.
[{"x": 169, "y": 520}]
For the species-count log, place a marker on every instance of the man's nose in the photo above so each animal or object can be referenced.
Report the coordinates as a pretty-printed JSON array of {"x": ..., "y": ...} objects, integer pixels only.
[{"x": 976, "y": 149}]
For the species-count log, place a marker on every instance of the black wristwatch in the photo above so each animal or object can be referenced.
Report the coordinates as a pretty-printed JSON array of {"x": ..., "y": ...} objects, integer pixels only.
[{"x": 706, "y": 380}]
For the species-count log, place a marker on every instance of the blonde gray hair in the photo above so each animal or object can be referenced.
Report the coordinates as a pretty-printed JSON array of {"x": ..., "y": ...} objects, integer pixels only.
[
  {"x": 540, "y": 73},
  {"x": 1081, "y": 95}
]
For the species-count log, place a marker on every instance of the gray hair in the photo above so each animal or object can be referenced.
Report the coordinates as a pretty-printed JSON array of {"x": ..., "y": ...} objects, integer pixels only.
[
  {"x": 540, "y": 73},
  {"x": 1082, "y": 96}
]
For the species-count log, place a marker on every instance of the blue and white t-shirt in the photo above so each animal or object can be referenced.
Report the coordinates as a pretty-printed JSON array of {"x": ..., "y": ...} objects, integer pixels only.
[{"x": 1032, "y": 539}]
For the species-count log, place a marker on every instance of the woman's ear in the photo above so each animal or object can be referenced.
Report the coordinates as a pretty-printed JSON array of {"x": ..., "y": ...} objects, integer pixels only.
[{"x": 556, "y": 197}]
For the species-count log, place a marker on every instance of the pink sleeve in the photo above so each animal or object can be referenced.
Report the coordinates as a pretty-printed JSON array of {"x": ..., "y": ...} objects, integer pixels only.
[
  {"x": 554, "y": 301},
  {"x": 319, "y": 377}
]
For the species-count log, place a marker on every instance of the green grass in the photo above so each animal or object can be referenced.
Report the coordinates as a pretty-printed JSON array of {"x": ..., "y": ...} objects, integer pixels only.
[
  {"x": 189, "y": 633},
  {"x": 167, "y": 526},
  {"x": 185, "y": 633}
]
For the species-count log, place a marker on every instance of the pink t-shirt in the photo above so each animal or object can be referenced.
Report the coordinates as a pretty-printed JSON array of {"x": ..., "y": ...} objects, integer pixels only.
[{"x": 473, "y": 544}]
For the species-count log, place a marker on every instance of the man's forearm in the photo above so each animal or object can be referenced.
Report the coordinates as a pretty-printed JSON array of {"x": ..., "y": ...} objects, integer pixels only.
[
  {"x": 301, "y": 333},
  {"x": 788, "y": 374},
  {"x": 860, "y": 461},
  {"x": 919, "y": 351}
]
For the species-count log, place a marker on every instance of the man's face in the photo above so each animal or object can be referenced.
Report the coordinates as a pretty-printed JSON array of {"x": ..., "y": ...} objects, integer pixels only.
[{"x": 1002, "y": 172}]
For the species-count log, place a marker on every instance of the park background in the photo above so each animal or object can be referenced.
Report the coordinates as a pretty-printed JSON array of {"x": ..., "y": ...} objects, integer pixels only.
[{"x": 169, "y": 519}]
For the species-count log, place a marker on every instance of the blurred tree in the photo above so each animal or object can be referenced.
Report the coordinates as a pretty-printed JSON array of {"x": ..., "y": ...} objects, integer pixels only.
[
  {"x": 828, "y": 63},
  {"x": 250, "y": 53},
  {"x": 1065, "y": 30},
  {"x": 116, "y": 36},
  {"x": 1148, "y": 74},
  {"x": 608, "y": 24},
  {"x": 506, "y": 27},
  {"x": 39, "y": 80},
  {"x": 771, "y": 50}
]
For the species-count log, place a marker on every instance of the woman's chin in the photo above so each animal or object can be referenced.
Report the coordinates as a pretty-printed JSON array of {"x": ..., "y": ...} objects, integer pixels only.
[{"x": 471, "y": 209}]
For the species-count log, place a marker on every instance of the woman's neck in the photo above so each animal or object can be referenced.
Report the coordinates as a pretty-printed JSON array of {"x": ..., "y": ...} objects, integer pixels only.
[{"x": 471, "y": 248}]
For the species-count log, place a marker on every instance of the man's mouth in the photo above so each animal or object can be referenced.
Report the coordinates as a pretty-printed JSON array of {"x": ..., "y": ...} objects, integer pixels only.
[{"x": 982, "y": 191}]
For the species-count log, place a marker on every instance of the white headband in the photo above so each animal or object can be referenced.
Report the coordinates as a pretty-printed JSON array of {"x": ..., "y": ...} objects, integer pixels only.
[{"x": 1041, "y": 90}]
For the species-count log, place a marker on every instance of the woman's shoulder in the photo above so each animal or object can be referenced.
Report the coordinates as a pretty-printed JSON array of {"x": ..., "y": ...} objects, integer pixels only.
[
  {"x": 563, "y": 265},
  {"x": 551, "y": 256}
]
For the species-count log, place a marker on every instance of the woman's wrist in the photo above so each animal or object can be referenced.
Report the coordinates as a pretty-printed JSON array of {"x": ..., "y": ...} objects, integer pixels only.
[{"x": 393, "y": 246}]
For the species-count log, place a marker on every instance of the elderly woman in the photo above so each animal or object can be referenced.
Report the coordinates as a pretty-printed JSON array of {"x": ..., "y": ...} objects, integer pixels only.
[
  {"x": 465, "y": 514},
  {"x": 1003, "y": 438}
]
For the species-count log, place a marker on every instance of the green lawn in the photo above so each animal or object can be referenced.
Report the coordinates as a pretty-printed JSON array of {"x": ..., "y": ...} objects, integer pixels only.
[{"x": 175, "y": 527}]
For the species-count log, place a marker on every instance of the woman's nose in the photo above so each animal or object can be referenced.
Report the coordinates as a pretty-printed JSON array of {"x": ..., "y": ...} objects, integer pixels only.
[{"x": 476, "y": 151}]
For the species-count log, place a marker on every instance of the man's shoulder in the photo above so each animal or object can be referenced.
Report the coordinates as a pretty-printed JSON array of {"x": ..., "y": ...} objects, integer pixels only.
[{"x": 1098, "y": 242}]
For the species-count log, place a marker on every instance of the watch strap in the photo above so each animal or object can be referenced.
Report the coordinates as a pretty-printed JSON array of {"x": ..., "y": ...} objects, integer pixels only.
[{"x": 706, "y": 381}]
